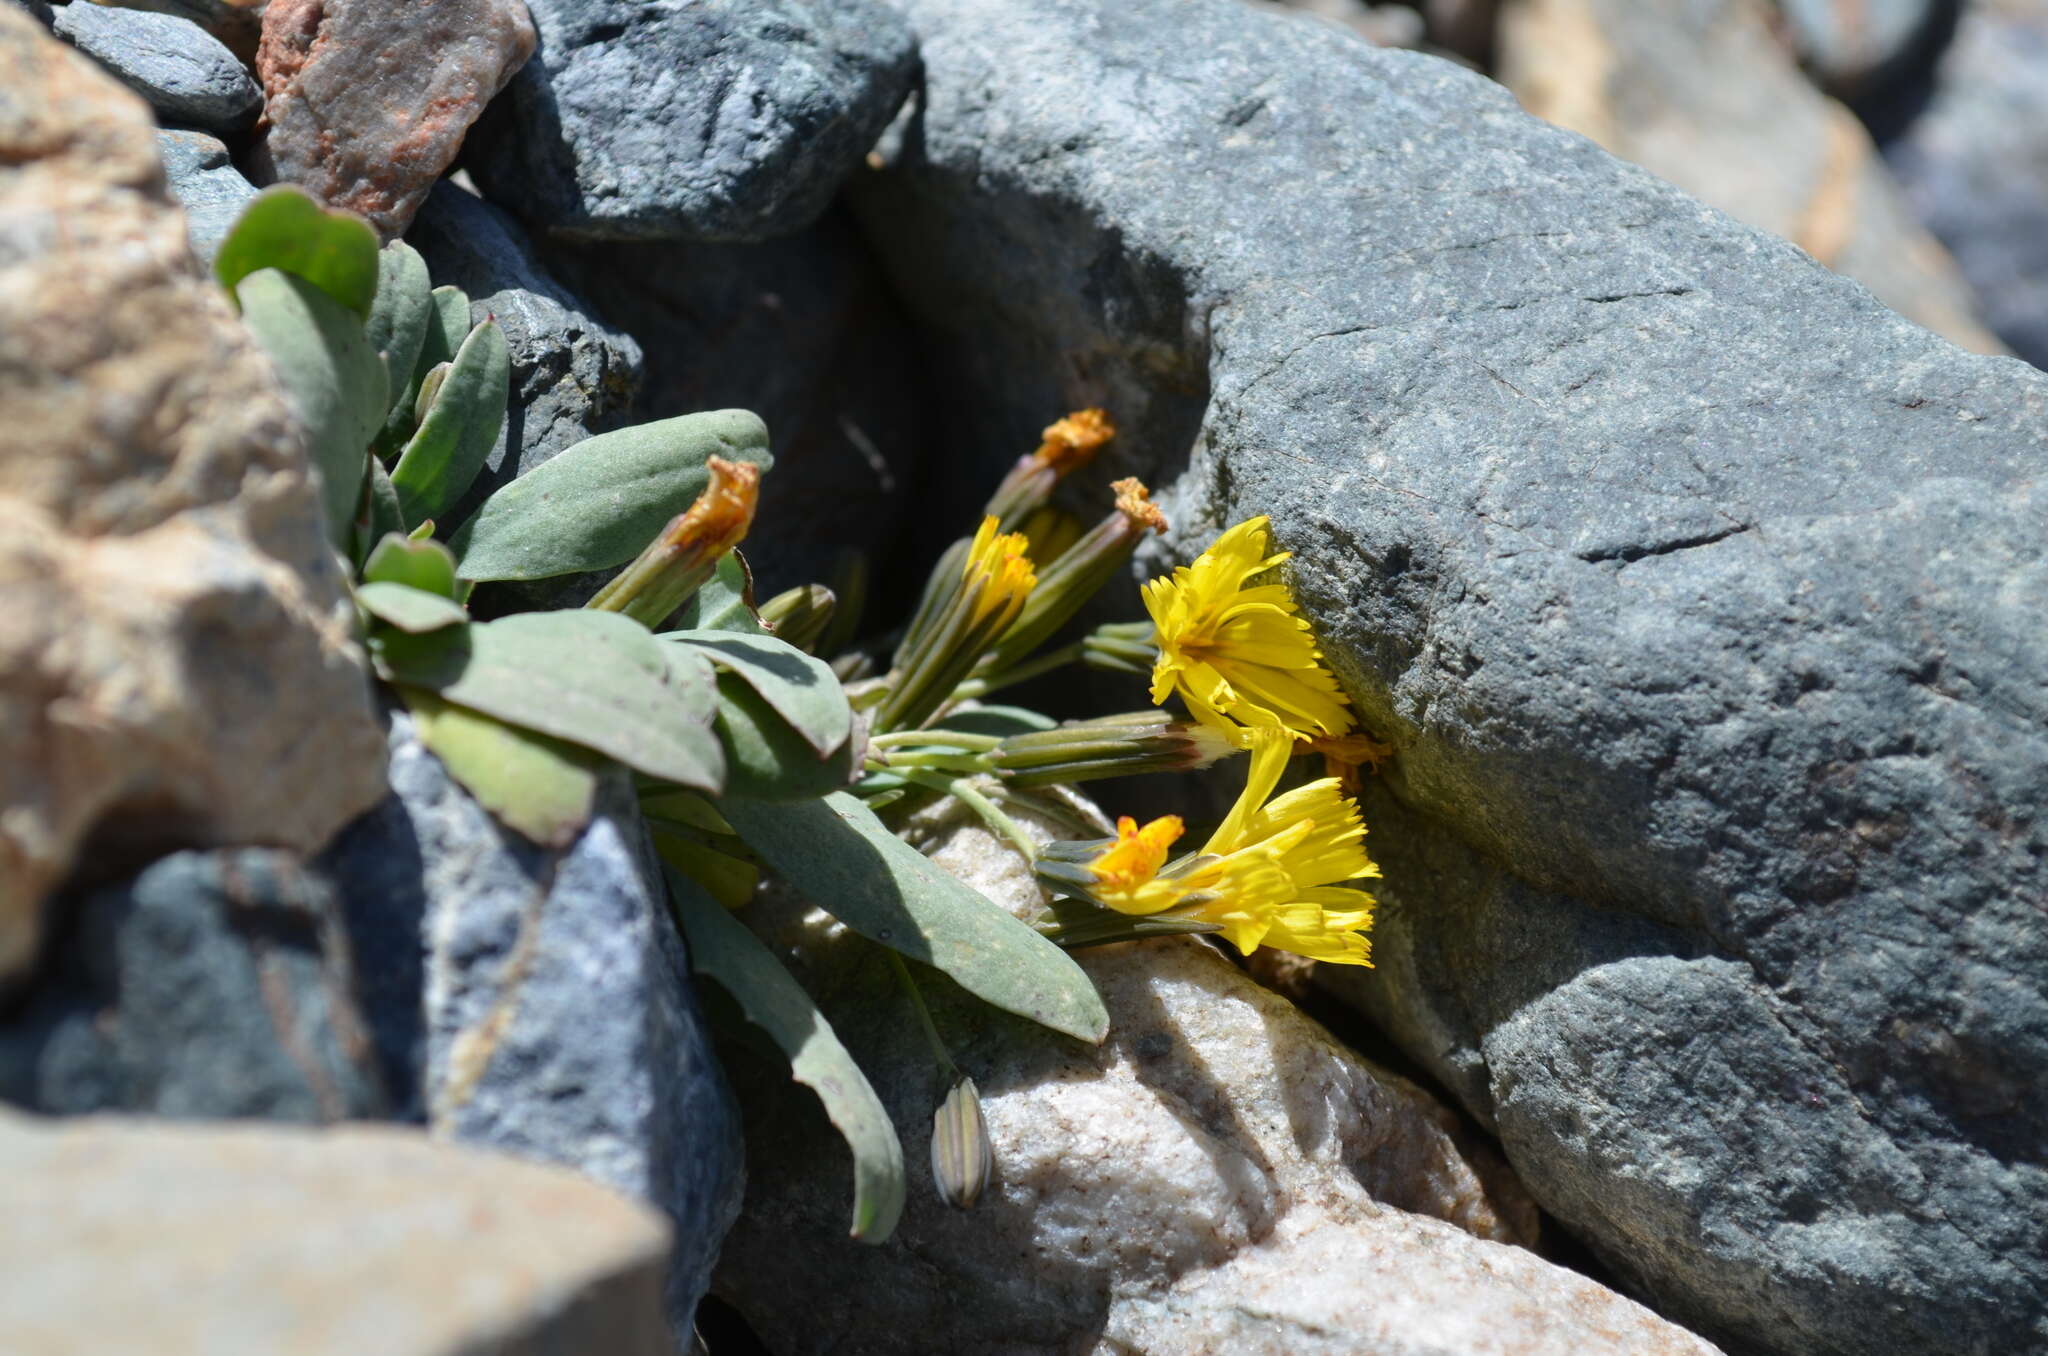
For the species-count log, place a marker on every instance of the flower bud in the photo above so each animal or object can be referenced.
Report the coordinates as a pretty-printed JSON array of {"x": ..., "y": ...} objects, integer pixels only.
[
  {"x": 963, "y": 1161},
  {"x": 1066, "y": 447},
  {"x": 675, "y": 564},
  {"x": 1112, "y": 746},
  {"x": 800, "y": 615}
]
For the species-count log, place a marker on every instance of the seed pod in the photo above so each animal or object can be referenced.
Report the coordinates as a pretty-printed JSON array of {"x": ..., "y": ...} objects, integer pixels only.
[{"x": 962, "y": 1159}]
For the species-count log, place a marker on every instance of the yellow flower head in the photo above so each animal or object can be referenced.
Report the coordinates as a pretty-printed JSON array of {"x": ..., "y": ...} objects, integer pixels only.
[
  {"x": 998, "y": 573},
  {"x": 1240, "y": 653},
  {"x": 1270, "y": 875}
]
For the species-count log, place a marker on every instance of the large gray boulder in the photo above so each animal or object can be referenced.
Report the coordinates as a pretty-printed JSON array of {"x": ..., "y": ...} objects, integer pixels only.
[
  {"x": 716, "y": 120},
  {"x": 539, "y": 1002},
  {"x": 1699, "y": 595},
  {"x": 186, "y": 74}
]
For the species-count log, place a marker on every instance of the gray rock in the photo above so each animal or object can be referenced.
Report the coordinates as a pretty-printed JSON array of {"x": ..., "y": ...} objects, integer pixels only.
[
  {"x": 185, "y": 73},
  {"x": 717, "y": 120},
  {"x": 804, "y": 332},
  {"x": 1698, "y": 594},
  {"x": 572, "y": 374},
  {"x": 206, "y": 184},
  {"x": 247, "y": 1238},
  {"x": 541, "y": 999},
  {"x": 214, "y": 984},
  {"x": 1975, "y": 165}
]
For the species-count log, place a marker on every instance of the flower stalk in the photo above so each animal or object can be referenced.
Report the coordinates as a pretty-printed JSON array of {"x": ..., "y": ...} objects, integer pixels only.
[{"x": 678, "y": 561}]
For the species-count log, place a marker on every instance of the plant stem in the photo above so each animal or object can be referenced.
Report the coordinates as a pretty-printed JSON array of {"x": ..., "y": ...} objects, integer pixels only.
[
  {"x": 1010, "y": 677},
  {"x": 991, "y": 814},
  {"x": 943, "y": 1056},
  {"x": 898, "y": 738}
]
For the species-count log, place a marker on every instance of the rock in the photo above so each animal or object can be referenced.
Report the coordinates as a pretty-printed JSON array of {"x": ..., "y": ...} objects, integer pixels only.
[
  {"x": 214, "y": 984},
  {"x": 718, "y": 120},
  {"x": 572, "y": 374},
  {"x": 367, "y": 102},
  {"x": 1974, "y": 165},
  {"x": 186, "y": 75},
  {"x": 1175, "y": 1189},
  {"x": 330, "y": 1243},
  {"x": 1385, "y": 25},
  {"x": 1698, "y": 594},
  {"x": 206, "y": 184},
  {"x": 1701, "y": 95},
  {"x": 803, "y": 332},
  {"x": 1853, "y": 46},
  {"x": 177, "y": 662},
  {"x": 538, "y": 1002}
]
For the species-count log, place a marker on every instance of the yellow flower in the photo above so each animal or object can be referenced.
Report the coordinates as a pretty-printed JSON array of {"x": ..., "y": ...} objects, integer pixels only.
[
  {"x": 998, "y": 574},
  {"x": 1270, "y": 875},
  {"x": 1239, "y": 653}
]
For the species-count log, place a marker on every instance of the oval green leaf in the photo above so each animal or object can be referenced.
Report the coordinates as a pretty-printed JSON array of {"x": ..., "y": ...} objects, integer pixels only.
[
  {"x": 725, "y": 602},
  {"x": 399, "y": 313},
  {"x": 845, "y": 861},
  {"x": 543, "y": 788},
  {"x": 447, "y": 325},
  {"x": 765, "y": 758},
  {"x": 598, "y": 503},
  {"x": 460, "y": 429},
  {"x": 285, "y": 228},
  {"x": 802, "y": 690},
  {"x": 423, "y": 564},
  {"x": 411, "y": 610}
]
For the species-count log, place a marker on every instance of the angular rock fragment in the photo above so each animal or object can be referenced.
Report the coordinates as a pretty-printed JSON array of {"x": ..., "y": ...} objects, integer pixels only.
[
  {"x": 1702, "y": 95},
  {"x": 187, "y": 76},
  {"x": 215, "y": 984},
  {"x": 1974, "y": 165},
  {"x": 1220, "y": 1175},
  {"x": 367, "y": 102},
  {"x": 1698, "y": 593},
  {"x": 538, "y": 1002},
  {"x": 572, "y": 374},
  {"x": 206, "y": 184},
  {"x": 331, "y": 1243},
  {"x": 719, "y": 120},
  {"x": 176, "y": 655}
]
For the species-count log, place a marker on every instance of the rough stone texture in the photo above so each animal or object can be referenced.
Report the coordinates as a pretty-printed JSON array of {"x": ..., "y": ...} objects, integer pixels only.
[
  {"x": 1974, "y": 165},
  {"x": 214, "y": 984},
  {"x": 1699, "y": 595},
  {"x": 133, "y": 1236},
  {"x": 367, "y": 101},
  {"x": 1702, "y": 95},
  {"x": 176, "y": 660},
  {"x": 1220, "y": 1175},
  {"x": 539, "y": 1002},
  {"x": 206, "y": 184},
  {"x": 572, "y": 374},
  {"x": 803, "y": 332},
  {"x": 187, "y": 76},
  {"x": 714, "y": 120}
]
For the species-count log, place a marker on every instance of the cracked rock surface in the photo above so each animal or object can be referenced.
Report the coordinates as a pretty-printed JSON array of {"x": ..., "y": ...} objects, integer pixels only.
[{"x": 1699, "y": 595}]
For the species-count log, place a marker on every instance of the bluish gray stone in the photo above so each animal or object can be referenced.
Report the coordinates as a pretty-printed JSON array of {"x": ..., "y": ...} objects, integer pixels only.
[
  {"x": 206, "y": 184},
  {"x": 541, "y": 999},
  {"x": 714, "y": 120},
  {"x": 185, "y": 73},
  {"x": 572, "y": 374},
  {"x": 214, "y": 984},
  {"x": 1974, "y": 165},
  {"x": 1699, "y": 596}
]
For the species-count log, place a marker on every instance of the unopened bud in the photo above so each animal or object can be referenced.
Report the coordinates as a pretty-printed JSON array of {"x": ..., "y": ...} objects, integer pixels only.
[
  {"x": 1065, "y": 587},
  {"x": 963, "y": 1161},
  {"x": 675, "y": 564},
  {"x": 1112, "y": 746},
  {"x": 800, "y": 615},
  {"x": 1121, "y": 647}
]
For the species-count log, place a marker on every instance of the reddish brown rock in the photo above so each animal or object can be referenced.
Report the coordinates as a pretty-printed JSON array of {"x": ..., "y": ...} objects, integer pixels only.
[
  {"x": 176, "y": 655},
  {"x": 367, "y": 101}
]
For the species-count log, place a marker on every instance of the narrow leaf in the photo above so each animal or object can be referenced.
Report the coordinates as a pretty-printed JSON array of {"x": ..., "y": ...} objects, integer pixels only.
[
  {"x": 336, "y": 381},
  {"x": 1000, "y": 721},
  {"x": 541, "y": 787},
  {"x": 598, "y": 503},
  {"x": 722, "y": 948},
  {"x": 447, "y": 325},
  {"x": 399, "y": 313},
  {"x": 802, "y": 690},
  {"x": 846, "y": 862},
  {"x": 765, "y": 758},
  {"x": 409, "y": 609},
  {"x": 284, "y": 228},
  {"x": 423, "y": 564},
  {"x": 592, "y": 678},
  {"x": 378, "y": 517},
  {"x": 459, "y": 430}
]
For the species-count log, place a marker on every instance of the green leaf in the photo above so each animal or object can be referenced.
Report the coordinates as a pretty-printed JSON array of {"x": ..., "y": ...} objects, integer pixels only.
[
  {"x": 1000, "y": 721},
  {"x": 378, "y": 517},
  {"x": 846, "y": 862},
  {"x": 284, "y": 228},
  {"x": 449, "y": 448},
  {"x": 447, "y": 325},
  {"x": 541, "y": 787},
  {"x": 802, "y": 690},
  {"x": 722, "y": 948},
  {"x": 592, "y": 678},
  {"x": 336, "y": 381},
  {"x": 404, "y": 303},
  {"x": 596, "y": 504},
  {"x": 409, "y": 609},
  {"x": 425, "y": 565},
  {"x": 725, "y": 602},
  {"x": 765, "y": 758}
]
